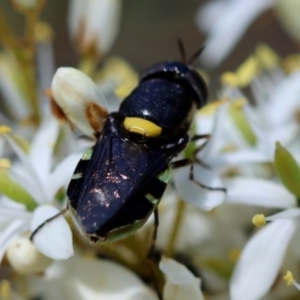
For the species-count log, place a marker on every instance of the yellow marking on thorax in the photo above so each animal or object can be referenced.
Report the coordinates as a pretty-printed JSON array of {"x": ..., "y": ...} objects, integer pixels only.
[{"x": 142, "y": 127}]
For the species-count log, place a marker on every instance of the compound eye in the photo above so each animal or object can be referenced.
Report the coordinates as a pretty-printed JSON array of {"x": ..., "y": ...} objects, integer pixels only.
[{"x": 142, "y": 127}]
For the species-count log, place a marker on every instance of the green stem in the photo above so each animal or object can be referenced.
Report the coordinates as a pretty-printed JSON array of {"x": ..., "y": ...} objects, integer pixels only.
[
  {"x": 180, "y": 211},
  {"x": 7, "y": 37},
  {"x": 28, "y": 61}
]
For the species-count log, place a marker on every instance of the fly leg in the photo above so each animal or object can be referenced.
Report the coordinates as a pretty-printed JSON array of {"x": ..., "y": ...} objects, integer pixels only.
[
  {"x": 151, "y": 256},
  {"x": 187, "y": 161},
  {"x": 154, "y": 235},
  {"x": 198, "y": 149},
  {"x": 62, "y": 212}
]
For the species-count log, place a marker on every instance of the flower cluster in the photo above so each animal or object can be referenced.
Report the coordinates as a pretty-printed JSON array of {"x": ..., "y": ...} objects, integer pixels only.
[{"x": 246, "y": 172}]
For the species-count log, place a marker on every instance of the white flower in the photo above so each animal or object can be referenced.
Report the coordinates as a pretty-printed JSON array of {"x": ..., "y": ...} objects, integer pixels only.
[
  {"x": 262, "y": 258},
  {"x": 191, "y": 191},
  {"x": 88, "y": 278},
  {"x": 36, "y": 176},
  {"x": 14, "y": 98},
  {"x": 225, "y": 22},
  {"x": 270, "y": 120},
  {"x": 94, "y": 24},
  {"x": 239, "y": 189}
]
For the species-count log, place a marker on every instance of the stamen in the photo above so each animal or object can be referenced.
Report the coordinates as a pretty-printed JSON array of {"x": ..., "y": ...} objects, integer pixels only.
[
  {"x": 259, "y": 220},
  {"x": 288, "y": 278},
  {"x": 5, "y": 290},
  {"x": 5, "y": 129},
  {"x": 267, "y": 57},
  {"x": 5, "y": 163}
]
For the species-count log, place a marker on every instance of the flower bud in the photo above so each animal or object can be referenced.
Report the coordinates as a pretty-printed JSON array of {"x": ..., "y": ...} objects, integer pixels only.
[
  {"x": 24, "y": 257},
  {"x": 80, "y": 99},
  {"x": 94, "y": 24}
]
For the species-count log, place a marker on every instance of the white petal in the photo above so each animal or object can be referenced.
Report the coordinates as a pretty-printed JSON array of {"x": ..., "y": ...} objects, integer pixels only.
[
  {"x": 260, "y": 261},
  {"x": 180, "y": 282},
  {"x": 208, "y": 13},
  {"x": 214, "y": 143},
  {"x": 41, "y": 148},
  {"x": 55, "y": 238},
  {"x": 27, "y": 164},
  {"x": 239, "y": 157},
  {"x": 11, "y": 95},
  {"x": 30, "y": 186},
  {"x": 62, "y": 173},
  {"x": 10, "y": 232},
  {"x": 265, "y": 144},
  {"x": 11, "y": 213},
  {"x": 280, "y": 110},
  {"x": 80, "y": 99},
  {"x": 286, "y": 214},
  {"x": 259, "y": 192},
  {"x": 229, "y": 28},
  {"x": 193, "y": 193},
  {"x": 285, "y": 133},
  {"x": 6, "y": 202},
  {"x": 91, "y": 279}
]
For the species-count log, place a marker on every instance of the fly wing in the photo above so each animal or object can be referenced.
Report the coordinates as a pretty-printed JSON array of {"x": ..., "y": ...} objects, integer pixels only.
[{"x": 117, "y": 170}]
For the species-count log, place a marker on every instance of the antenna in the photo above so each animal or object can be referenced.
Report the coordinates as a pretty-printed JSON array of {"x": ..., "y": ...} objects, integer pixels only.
[
  {"x": 195, "y": 56},
  {"x": 181, "y": 50}
]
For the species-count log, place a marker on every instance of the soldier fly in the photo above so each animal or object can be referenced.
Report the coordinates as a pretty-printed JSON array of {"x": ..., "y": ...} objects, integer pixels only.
[{"x": 118, "y": 183}]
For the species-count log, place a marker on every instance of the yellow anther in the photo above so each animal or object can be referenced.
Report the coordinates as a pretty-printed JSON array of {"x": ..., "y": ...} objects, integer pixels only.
[
  {"x": 259, "y": 220},
  {"x": 142, "y": 127},
  {"x": 288, "y": 278},
  {"x": 124, "y": 90},
  {"x": 5, "y": 163},
  {"x": 266, "y": 56},
  {"x": 123, "y": 75},
  {"x": 43, "y": 32},
  {"x": 234, "y": 254},
  {"x": 5, "y": 290},
  {"x": 229, "y": 148},
  {"x": 230, "y": 78},
  {"x": 211, "y": 107},
  {"x": 239, "y": 103},
  {"x": 4, "y": 129},
  {"x": 247, "y": 71}
]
